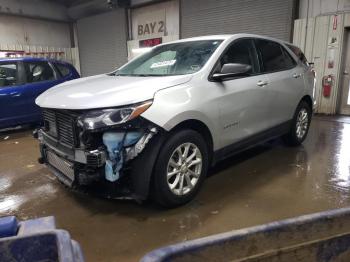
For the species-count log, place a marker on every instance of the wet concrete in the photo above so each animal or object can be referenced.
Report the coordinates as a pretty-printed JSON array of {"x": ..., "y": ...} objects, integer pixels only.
[{"x": 264, "y": 184}]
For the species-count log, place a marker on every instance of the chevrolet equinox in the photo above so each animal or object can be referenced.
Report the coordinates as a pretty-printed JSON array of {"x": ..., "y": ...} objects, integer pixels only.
[{"x": 154, "y": 126}]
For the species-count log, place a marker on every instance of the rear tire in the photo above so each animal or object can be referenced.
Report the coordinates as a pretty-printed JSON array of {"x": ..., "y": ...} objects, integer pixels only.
[
  {"x": 180, "y": 169},
  {"x": 300, "y": 125}
]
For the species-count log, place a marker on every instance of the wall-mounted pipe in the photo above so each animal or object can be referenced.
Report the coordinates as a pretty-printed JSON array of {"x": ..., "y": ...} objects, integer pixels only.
[{"x": 306, "y": 24}]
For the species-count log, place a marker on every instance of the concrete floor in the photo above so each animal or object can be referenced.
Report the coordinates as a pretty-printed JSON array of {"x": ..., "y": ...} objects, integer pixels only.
[{"x": 267, "y": 183}]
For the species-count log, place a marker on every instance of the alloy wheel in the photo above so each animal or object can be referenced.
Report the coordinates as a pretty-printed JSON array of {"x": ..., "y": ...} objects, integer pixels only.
[
  {"x": 184, "y": 169},
  {"x": 302, "y": 123}
]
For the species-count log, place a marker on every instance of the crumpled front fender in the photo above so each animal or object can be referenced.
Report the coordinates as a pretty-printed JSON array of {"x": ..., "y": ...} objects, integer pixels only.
[{"x": 142, "y": 167}]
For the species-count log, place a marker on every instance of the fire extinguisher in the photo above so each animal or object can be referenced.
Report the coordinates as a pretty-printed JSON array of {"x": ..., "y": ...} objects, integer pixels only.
[{"x": 327, "y": 83}]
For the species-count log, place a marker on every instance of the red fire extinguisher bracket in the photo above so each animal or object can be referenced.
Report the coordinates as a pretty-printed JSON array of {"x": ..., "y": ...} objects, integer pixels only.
[{"x": 327, "y": 84}]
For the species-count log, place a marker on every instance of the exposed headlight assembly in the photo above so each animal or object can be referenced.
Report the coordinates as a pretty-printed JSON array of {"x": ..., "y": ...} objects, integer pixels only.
[{"x": 109, "y": 117}]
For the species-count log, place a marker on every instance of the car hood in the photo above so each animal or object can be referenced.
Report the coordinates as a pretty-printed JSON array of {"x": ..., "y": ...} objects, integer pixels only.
[{"x": 103, "y": 91}]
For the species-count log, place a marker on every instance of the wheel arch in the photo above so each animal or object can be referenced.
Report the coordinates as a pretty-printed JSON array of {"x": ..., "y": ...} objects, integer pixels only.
[
  {"x": 199, "y": 127},
  {"x": 308, "y": 100},
  {"x": 143, "y": 165}
]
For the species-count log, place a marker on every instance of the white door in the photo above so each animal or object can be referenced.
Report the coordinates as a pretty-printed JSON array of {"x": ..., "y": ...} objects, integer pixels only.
[
  {"x": 344, "y": 108},
  {"x": 286, "y": 82},
  {"x": 243, "y": 101}
]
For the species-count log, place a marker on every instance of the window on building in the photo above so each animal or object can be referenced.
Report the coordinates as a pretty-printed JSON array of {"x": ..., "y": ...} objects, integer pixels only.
[
  {"x": 38, "y": 72},
  {"x": 8, "y": 74}
]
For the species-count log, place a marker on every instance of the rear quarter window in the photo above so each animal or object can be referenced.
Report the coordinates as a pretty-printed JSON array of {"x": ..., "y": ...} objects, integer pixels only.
[{"x": 63, "y": 70}]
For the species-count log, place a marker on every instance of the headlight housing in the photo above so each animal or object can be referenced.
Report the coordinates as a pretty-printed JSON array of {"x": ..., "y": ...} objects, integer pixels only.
[{"x": 109, "y": 117}]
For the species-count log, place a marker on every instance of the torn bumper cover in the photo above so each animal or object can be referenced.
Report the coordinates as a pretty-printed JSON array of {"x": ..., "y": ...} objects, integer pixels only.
[
  {"x": 123, "y": 147},
  {"x": 114, "y": 149}
]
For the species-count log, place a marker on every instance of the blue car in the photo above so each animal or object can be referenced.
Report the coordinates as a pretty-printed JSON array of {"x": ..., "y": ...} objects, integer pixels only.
[{"x": 22, "y": 80}]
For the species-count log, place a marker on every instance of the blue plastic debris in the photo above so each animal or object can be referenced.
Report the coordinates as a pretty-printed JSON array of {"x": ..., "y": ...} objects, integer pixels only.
[
  {"x": 8, "y": 226},
  {"x": 39, "y": 240}
]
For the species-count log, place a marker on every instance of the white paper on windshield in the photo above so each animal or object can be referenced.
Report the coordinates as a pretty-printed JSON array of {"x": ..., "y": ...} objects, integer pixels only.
[{"x": 163, "y": 63}]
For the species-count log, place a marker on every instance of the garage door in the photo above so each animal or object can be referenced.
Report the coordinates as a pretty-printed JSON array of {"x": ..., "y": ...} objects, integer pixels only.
[
  {"x": 266, "y": 17},
  {"x": 102, "y": 42}
]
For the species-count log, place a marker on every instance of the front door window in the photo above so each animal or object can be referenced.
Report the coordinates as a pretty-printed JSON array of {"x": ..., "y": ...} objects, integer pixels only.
[{"x": 8, "y": 74}]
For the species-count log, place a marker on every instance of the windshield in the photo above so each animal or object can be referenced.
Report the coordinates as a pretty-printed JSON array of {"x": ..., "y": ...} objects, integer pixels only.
[{"x": 171, "y": 59}]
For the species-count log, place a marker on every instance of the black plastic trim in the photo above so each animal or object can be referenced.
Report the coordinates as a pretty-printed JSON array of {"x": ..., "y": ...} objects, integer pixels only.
[{"x": 251, "y": 141}]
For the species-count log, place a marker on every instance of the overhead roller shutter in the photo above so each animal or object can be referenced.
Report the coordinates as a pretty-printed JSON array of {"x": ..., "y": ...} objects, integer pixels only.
[
  {"x": 265, "y": 17},
  {"x": 102, "y": 42}
]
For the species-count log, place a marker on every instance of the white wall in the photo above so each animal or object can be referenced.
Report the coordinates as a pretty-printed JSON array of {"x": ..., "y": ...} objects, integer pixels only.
[
  {"x": 323, "y": 43},
  {"x": 35, "y": 8},
  {"x": 27, "y": 31},
  {"x": 168, "y": 12},
  {"x": 152, "y": 16},
  {"x": 102, "y": 42},
  {"x": 321, "y": 7}
]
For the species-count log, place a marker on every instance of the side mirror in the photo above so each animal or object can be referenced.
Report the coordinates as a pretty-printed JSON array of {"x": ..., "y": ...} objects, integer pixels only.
[{"x": 232, "y": 70}]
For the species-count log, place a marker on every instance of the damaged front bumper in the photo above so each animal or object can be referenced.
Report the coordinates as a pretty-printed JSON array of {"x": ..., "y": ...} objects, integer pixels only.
[{"x": 113, "y": 150}]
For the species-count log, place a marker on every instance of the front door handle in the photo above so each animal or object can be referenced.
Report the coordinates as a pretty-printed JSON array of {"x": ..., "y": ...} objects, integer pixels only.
[
  {"x": 15, "y": 94},
  {"x": 295, "y": 75},
  {"x": 262, "y": 83}
]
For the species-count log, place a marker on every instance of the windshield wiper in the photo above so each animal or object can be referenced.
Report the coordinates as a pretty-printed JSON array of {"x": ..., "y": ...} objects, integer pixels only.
[
  {"x": 141, "y": 75},
  {"x": 149, "y": 75}
]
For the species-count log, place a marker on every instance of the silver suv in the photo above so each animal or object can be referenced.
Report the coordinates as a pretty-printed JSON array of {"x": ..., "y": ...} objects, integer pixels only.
[{"x": 155, "y": 126}]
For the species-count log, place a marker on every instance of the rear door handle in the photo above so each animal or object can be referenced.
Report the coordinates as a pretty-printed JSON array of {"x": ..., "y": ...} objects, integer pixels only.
[
  {"x": 295, "y": 75},
  {"x": 262, "y": 83}
]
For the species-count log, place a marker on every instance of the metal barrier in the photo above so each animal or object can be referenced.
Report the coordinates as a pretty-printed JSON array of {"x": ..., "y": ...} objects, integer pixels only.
[{"x": 323, "y": 236}]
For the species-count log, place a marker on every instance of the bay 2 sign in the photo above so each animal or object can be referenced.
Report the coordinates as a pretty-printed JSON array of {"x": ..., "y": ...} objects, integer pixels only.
[{"x": 156, "y": 27}]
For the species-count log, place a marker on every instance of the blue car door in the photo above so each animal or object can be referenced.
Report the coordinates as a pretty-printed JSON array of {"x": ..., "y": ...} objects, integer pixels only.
[
  {"x": 11, "y": 91},
  {"x": 40, "y": 76},
  {"x": 22, "y": 81}
]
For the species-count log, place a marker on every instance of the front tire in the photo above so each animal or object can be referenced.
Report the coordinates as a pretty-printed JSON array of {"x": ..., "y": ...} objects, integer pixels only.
[
  {"x": 180, "y": 169},
  {"x": 300, "y": 125}
]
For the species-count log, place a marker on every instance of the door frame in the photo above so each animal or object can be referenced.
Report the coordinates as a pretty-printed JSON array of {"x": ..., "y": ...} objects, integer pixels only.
[{"x": 340, "y": 108}]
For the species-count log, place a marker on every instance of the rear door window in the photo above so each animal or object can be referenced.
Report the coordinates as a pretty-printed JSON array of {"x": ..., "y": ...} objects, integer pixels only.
[
  {"x": 38, "y": 72},
  {"x": 8, "y": 74},
  {"x": 273, "y": 56},
  {"x": 289, "y": 61}
]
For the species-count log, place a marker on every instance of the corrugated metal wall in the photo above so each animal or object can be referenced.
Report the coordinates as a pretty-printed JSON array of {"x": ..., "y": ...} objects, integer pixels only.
[
  {"x": 265, "y": 17},
  {"x": 102, "y": 42}
]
